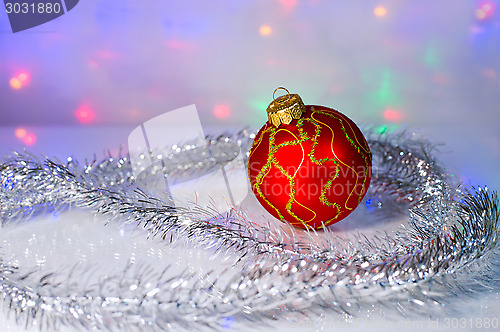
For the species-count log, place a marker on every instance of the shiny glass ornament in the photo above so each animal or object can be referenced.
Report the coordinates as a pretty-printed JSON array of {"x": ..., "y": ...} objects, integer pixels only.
[{"x": 309, "y": 165}]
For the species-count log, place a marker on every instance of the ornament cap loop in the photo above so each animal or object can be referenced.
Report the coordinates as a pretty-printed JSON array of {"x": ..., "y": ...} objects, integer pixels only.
[
  {"x": 281, "y": 88},
  {"x": 285, "y": 109}
]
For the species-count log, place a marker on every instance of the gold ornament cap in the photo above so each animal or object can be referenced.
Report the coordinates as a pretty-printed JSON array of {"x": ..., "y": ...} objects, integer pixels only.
[{"x": 285, "y": 108}]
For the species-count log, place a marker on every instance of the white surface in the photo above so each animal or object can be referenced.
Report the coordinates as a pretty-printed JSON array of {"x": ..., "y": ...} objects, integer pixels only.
[
  {"x": 76, "y": 237},
  {"x": 48, "y": 240}
]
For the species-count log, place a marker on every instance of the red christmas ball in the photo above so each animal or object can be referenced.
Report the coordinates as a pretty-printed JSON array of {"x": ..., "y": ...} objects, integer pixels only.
[{"x": 309, "y": 165}]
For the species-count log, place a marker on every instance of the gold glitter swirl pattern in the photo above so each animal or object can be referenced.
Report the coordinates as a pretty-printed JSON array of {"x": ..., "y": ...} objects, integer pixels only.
[{"x": 363, "y": 150}]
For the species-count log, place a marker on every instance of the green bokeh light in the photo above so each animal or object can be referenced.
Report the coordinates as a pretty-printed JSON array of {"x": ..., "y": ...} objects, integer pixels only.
[
  {"x": 387, "y": 128},
  {"x": 258, "y": 114},
  {"x": 431, "y": 58},
  {"x": 384, "y": 92}
]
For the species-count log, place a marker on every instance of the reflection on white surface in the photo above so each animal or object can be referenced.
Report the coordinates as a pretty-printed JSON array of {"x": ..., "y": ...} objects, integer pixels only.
[{"x": 76, "y": 239}]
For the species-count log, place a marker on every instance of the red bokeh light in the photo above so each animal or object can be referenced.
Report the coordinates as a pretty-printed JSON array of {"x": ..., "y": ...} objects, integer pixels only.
[
  {"x": 288, "y": 4},
  {"x": 106, "y": 54},
  {"x": 24, "y": 77},
  {"x": 222, "y": 111},
  {"x": 178, "y": 45},
  {"x": 392, "y": 115},
  {"x": 85, "y": 114},
  {"x": 488, "y": 7},
  {"x": 29, "y": 139},
  {"x": 93, "y": 64}
]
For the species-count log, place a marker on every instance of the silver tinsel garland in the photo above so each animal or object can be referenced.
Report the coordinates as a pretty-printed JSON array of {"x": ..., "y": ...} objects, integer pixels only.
[{"x": 447, "y": 248}]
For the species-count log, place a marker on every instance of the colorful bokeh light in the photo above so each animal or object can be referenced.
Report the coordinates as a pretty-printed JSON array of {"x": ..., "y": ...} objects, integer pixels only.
[
  {"x": 93, "y": 65},
  {"x": 288, "y": 4},
  {"x": 392, "y": 115},
  {"x": 265, "y": 30},
  {"x": 15, "y": 83},
  {"x": 134, "y": 113},
  {"x": 387, "y": 93},
  {"x": 485, "y": 10},
  {"x": 106, "y": 54},
  {"x": 20, "y": 80},
  {"x": 20, "y": 133},
  {"x": 222, "y": 111},
  {"x": 85, "y": 114},
  {"x": 24, "y": 77},
  {"x": 178, "y": 45},
  {"x": 29, "y": 139},
  {"x": 380, "y": 11},
  {"x": 480, "y": 14}
]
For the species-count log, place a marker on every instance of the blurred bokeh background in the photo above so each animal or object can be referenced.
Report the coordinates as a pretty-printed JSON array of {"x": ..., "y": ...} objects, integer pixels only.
[{"x": 80, "y": 83}]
